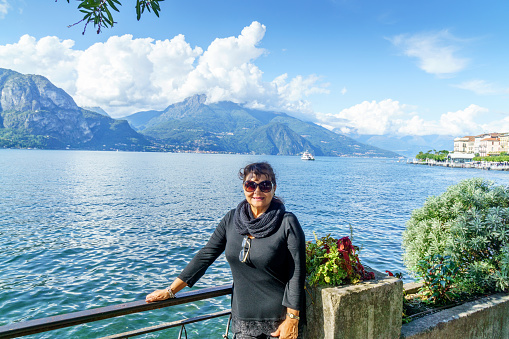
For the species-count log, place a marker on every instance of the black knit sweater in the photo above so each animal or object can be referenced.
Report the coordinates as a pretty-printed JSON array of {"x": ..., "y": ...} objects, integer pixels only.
[{"x": 270, "y": 280}]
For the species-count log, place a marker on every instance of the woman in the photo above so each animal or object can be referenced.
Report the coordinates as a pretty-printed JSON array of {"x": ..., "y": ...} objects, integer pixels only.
[{"x": 265, "y": 247}]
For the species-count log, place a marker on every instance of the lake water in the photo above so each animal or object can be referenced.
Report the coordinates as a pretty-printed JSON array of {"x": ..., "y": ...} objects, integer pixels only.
[{"x": 80, "y": 230}]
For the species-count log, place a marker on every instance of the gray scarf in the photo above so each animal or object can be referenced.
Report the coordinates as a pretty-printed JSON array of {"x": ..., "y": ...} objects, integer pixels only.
[{"x": 262, "y": 226}]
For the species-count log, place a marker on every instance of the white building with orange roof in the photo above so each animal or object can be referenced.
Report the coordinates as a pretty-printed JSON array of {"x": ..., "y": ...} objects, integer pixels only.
[
  {"x": 483, "y": 145},
  {"x": 477, "y": 142},
  {"x": 489, "y": 146},
  {"x": 464, "y": 144},
  {"x": 460, "y": 145},
  {"x": 504, "y": 142}
]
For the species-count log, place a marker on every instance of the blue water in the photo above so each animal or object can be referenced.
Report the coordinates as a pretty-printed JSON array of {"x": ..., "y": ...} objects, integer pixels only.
[{"x": 80, "y": 230}]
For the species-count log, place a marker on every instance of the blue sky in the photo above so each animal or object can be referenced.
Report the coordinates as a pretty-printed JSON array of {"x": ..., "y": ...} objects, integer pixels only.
[{"x": 368, "y": 67}]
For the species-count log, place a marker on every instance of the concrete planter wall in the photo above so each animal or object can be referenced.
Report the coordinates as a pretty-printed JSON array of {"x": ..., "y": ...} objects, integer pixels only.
[
  {"x": 484, "y": 318},
  {"x": 366, "y": 310},
  {"x": 373, "y": 309}
]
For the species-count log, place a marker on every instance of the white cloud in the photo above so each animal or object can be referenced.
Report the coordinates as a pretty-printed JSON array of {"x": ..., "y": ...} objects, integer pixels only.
[
  {"x": 4, "y": 8},
  {"x": 50, "y": 56},
  {"x": 482, "y": 87},
  {"x": 436, "y": 52},
  {"x": 225, "y": 71},
  {"x": 389, "y": 117},
  {"x": 461, "y": 122},
  {"x": 367, "y": 117},
  {"x": 125, "y": 75}
]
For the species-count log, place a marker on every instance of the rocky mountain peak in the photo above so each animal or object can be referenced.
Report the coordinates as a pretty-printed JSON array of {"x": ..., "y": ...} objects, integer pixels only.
[
  {"x": 195, "y": 101},
  {"x": 31, "y": 93},
  {"x": 32, "y": 105}
]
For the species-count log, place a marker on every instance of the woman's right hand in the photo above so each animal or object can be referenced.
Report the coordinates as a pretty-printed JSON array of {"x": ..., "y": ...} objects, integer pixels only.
[{"x": 157, "y": 295}]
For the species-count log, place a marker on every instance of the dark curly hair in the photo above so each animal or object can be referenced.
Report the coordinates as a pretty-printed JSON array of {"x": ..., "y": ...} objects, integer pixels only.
[{"x": 258, "y": 169}]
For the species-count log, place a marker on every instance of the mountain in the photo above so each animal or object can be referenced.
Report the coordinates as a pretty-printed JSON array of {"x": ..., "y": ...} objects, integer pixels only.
[
  {"x": 409, "y": 145},
  {"x": 140, "y": 119},
  {"x": 97, "y": 110},
  {"x": 229, "y": 127},
  {"x": 36, "y": 113}
]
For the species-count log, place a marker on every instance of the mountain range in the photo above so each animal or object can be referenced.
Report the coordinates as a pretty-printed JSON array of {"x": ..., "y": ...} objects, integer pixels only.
[
  {"x": 409, "y": 145},
  {"x": 34, "y": 113},
  {"x": 227, "y": 126}
]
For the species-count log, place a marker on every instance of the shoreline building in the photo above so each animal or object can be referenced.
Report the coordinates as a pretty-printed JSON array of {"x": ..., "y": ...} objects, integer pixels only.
[
  {"x": 464, "y": 144},
  {"x": 504, "y": 142},
  {"x": 487, "y": 144}
]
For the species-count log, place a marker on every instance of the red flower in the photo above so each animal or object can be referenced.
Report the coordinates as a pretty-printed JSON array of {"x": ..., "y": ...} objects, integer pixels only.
[
  {"x": 345, "y": 244},
  {"x": 389, "y": 273},
  {"x": 347, "y": 261}
]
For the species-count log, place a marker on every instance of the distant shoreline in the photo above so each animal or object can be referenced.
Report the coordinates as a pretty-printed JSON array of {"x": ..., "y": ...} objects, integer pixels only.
[
  {"x": 193, "y": 152},
  {"x": 482, "y": 165}
]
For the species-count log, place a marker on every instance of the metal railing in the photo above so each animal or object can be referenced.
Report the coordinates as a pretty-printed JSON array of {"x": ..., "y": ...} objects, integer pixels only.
[{"x": 76, "y": 318}]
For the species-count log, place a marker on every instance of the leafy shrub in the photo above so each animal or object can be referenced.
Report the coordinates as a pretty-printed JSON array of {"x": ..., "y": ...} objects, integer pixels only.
[
  {"x": 496, "y": 158},
  {"x": 334, "y": 262},
  {"x": 470, "y": 224},
  {"x": 438, "y": 274},
  {"x": 437, "y": 156}
]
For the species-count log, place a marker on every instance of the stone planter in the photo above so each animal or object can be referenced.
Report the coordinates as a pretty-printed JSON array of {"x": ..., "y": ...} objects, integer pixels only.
[
  {"x": 370, "y": 309},
  {"x": 483, "y": 318}
]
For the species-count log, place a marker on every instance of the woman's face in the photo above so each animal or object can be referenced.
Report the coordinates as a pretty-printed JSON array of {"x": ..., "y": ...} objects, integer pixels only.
[{"x": 259, "y": 200}]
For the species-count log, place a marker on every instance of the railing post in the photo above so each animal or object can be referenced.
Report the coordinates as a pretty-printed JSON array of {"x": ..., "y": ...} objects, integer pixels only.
[
  {"x": 182, "y": 328},
  {"x": 225, "y": 335}
]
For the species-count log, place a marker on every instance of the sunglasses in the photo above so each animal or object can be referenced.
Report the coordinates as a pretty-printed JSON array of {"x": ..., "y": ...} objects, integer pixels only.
[
  {"x": 246, "y": 246},
  {"x": 265, "y": 186}
]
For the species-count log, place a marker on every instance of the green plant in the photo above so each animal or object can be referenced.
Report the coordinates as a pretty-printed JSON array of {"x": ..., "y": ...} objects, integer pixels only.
[
  {"x": 438, "y": 274},
  {"x": 492, "y": 158},
  {"x": 469, "y": 223},
  {"x": 332, "y": 261},
  {"x": 437, "y": 156},
  {"x": 99, "y": 12}
]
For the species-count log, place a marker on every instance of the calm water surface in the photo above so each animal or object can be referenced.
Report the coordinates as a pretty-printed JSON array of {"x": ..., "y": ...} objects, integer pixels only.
[{"x": 81, "y": 229}]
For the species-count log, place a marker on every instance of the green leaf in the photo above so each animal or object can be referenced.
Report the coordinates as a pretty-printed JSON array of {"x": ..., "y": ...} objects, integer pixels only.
[
  {"x": 138, "y": 10},
  {"x": 110, "y": 17},
  {"x": 112, "y": 5}
]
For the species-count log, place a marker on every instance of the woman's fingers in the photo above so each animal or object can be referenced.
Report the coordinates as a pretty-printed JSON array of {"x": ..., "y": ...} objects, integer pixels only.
[
  {"x": 157, "y": 295},
  {"x": 287, "y": 330},
  {"x": 275, "y": 333},
  {"x": 149, "y": 298}
]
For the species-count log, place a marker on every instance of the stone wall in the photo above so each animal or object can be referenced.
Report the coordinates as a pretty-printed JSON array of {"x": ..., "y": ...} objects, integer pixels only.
[
  {"x": 484, "y": 318},
  {"x": 373, "y": 309},
  {"x": 366, "y": 310}
]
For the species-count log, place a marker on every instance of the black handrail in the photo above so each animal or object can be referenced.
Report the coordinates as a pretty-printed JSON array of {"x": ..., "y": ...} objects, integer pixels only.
[
  {"x": 164, "y": 326},
  {"x": 76, "y": 318}
]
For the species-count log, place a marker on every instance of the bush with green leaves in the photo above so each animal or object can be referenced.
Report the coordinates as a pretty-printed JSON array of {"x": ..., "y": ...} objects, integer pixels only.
[
  {"x": 470, "y": 224},
  {"x": 438, "y": 274},
  {"x": 334, "y": 262},
  {"x": 493, "y": 158},
  {"x": 437, "y": 156}
]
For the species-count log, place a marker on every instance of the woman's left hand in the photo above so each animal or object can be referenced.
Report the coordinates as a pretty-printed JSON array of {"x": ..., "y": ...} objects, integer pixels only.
[{"x": 289, "y": 329}]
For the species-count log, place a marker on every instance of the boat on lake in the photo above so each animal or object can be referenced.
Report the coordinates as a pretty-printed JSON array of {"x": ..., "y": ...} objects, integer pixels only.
[{"x": 307, "y": 156}]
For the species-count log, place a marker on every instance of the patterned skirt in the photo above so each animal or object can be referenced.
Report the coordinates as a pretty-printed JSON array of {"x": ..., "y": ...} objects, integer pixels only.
[{"x": 256, "y": 329}]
